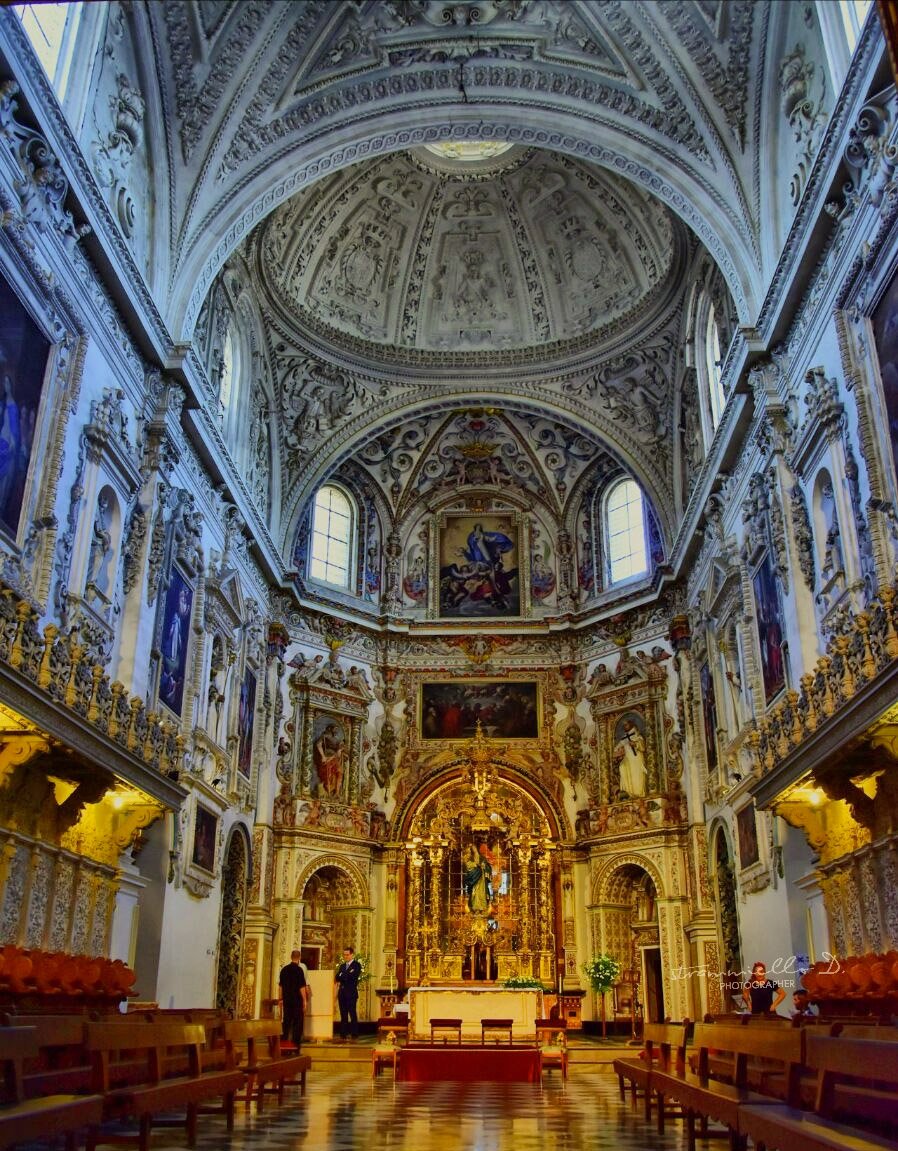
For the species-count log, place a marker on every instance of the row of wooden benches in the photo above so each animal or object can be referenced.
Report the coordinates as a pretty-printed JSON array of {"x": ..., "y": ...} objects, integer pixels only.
[
  {"x": 65, "y": 1075},
  {"x": 788, "y": 1089}
]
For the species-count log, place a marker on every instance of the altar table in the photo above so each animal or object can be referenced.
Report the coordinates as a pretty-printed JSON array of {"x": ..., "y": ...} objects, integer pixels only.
[
  {"x": 471, "y": 1004},
  {"x": 470, "y": 1064}
]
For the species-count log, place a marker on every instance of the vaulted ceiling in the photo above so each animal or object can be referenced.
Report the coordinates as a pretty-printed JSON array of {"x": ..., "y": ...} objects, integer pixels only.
[
  {"x": 268, "y": 97},
  {"x": 314, "y": 154}
]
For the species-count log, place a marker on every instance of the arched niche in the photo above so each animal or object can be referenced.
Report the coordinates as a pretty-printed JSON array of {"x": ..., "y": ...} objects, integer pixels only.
[
  {"x": 234, "y": 880},
  {"x": 333, "y": 894},
  {"x": 723, "y": 871}
]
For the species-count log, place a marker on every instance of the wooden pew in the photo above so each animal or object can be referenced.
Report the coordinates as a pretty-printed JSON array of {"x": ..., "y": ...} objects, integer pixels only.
[
  {"x": 663, "y": 1042},
  {"x": 26, "y": 1120},
  {"x": 857, "y": 1080},
  {"x": 154, "y": 1093},
  {"x": 62, "y": 1064},
  {"x": 264, "y": 1062},
  {"x": 704, "y": 1097}
]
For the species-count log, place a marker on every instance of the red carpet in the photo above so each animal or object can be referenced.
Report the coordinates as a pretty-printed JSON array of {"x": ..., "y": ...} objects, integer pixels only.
[{"x": 496, "y": 1064}]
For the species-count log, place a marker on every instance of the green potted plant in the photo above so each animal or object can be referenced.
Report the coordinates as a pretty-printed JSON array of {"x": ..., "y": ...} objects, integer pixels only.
[{"x": 602, "y": 971}]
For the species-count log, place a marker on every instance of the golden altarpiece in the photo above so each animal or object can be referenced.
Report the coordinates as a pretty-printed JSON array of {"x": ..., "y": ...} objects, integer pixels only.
[{"x": 480, "y": 892}]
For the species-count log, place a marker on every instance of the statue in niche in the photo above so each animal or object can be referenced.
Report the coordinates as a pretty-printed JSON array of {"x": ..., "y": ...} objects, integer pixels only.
[
  {"x": 644, "y": 901},
  {"x": 100, "y": 548},
  {"x": 329, "y": 757},
  {"x": 477, "y": 878},
  {"x": 629, "y": 758}
]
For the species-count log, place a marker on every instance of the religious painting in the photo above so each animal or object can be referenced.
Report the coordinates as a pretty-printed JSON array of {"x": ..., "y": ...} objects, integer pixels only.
[
  {"x": 330, "y": 755},
  {"x": 709, "y": 714},
  {"x": 770, "y": 629},
  {"x": 205, "y": 829},
  {"x": 628, "y": 755},
  {"x": 885, "y": 331},
  {"x": 414, "y": 582},
  {"x": 246, "y": 714},
  {"x": 542, "y": 569},
  {"x": 479, "y": 572},
  {"x": 747, "y": 835},
  {"x": 451, "y": 710},
  {"x": 174, "y": 640},
  {"x": 23, "y": 365}
]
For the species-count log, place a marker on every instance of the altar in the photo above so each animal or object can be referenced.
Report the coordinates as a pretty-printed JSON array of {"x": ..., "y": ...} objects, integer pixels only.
[{"x": 523, "y": 1005}]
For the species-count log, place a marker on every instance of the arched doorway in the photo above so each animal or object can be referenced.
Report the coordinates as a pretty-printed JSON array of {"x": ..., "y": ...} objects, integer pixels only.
[
  {"x": 330, "y": 917},
  {"x": 730, "y": 943},
  {"x": 233, "y": 909},
  {"x": 630, "y": 930}
]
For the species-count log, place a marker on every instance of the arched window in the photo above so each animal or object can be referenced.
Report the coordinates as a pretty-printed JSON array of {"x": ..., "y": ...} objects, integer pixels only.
[
  {"x": 226, "y": 387},
  {"x": 51, "y": 28},
  {"x": 841, "y": 22},
  {"x": 625, "y": 532},
  {"x": 332, "y": 528},
  {"x": 716, "y": 398}
]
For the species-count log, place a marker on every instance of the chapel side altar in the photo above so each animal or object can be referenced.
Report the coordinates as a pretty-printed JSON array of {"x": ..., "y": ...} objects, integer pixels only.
[{"x": 470, "y": 1004}]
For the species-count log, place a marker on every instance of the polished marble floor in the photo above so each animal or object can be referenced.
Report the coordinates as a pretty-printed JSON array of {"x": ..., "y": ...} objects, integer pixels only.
[{"x": 344, "y": 1110}]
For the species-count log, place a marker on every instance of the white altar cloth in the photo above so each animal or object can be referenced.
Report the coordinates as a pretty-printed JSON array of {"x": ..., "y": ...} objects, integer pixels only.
[{"x": 471, "y": 1004}]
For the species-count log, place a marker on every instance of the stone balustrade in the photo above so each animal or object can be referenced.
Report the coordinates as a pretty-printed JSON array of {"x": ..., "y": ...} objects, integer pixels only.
[
  {"x": 866, "y": 645},
  {"x": 60, "y": 666}
]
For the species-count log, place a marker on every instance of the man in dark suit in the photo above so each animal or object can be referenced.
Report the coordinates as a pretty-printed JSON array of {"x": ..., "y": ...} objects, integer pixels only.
[{"x": 347, "y": 979}]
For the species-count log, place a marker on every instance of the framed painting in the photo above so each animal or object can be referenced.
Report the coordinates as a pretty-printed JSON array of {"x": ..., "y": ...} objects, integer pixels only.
[
  {"x": 174, "y": 640},
  {"x": 330, "y": 755},
  {"x": 747, "y": 836},
  {"x": 205, "y": 830},
  {"x": 885, "y": 332},
  {"x": 479, "y": 558},
  {"x": 451, "y": 710},
  {"x": 246, "y": 714},
  {"x": 23, "y": 365},
  {"x": 709, "y": 714},
  {"x": 770, "y": 629}
]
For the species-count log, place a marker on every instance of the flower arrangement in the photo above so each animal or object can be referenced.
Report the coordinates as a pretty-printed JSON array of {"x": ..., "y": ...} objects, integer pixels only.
[
  {"x": 365, "y": 964},
  {"x": 601, "y": 971},
  {"x": 516, "y": 982}
]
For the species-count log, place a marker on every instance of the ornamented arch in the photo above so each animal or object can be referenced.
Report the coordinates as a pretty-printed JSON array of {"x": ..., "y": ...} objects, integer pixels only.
[
  {"x": 235, "y": 880},
  {"x": 574, "y": 131},
  {"x": 604, "y": 881},
  {"x": 361, "y": 889},
  {"x": 391, "y": 412},
  {"x": 447, "y": 774}
]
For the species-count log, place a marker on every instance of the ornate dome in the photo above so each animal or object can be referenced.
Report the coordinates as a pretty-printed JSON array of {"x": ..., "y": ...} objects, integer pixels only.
[{"x": 522, "y": 250}]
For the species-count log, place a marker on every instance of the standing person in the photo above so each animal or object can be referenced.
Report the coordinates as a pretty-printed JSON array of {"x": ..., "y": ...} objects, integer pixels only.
[
  {"x": 762, "y": 996},
  {"x": 348, "y": 975},
  {"x": 294, "y": 997}
]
